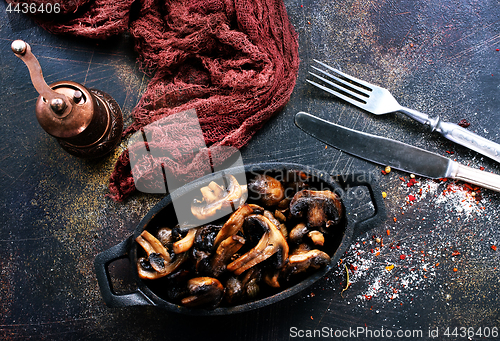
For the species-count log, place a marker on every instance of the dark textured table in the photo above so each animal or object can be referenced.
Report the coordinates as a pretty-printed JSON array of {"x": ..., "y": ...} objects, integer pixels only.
[{"x": 431, "y": 266}]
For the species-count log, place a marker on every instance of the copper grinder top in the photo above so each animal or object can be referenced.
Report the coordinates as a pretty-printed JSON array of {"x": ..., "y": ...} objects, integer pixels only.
[{"x": 64, "y": 109}]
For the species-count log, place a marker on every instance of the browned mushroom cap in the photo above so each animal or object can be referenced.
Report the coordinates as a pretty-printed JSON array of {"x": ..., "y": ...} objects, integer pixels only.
[
  {"x": 271, "y": 242},
  {"x": 270, "y": 190},
  {"x": 233, "y": 224},
  {"x": 224, "y": 252},
  {"x": 215, "y": 198},
  {"x": 243, "y": 287},
  {"x": 323, "y": 208},
  {"x": 204, "y": 291},
  {"x": 302, "y": 260}
]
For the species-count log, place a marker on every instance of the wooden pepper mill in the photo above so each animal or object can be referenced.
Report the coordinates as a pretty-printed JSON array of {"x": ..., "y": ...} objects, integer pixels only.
[{"x": 87, "y": 123}]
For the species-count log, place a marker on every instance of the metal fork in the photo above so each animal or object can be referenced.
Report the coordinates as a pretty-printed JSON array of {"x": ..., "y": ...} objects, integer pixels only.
[{"x": 379, "y": 101}]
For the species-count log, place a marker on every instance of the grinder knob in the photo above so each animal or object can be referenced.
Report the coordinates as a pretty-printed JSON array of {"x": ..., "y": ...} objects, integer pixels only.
[{"x": 86, "y": 122}]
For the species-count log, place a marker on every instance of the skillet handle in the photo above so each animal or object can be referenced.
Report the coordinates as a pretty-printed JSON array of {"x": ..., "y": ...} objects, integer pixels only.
[
  {"x": 363, "y": 201},
  {"x": 101, "y": 264}
]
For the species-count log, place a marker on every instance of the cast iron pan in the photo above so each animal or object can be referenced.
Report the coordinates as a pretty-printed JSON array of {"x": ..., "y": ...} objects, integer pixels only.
[{"x": 364, "y": 208}]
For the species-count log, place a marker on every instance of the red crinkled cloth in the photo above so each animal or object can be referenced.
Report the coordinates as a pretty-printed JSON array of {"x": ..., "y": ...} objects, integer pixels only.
[{"x": 234, "y": 62}]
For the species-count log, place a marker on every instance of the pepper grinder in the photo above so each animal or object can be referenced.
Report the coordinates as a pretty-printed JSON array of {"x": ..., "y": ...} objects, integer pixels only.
[{"x": 87, "y": 123}]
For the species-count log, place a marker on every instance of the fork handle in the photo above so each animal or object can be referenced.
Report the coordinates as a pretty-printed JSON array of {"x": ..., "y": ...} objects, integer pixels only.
[{"x": 457, "y": 134}]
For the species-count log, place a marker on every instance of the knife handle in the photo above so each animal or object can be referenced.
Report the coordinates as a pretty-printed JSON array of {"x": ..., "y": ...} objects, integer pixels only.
[
  {"x": 457, "y": 134},
  {"x": 475, "y": 176}
]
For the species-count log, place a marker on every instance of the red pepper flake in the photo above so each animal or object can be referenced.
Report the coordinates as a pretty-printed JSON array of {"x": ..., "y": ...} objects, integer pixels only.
[
  {"x": 463, "y": 123},
  {"x": 395, "y": 219},
  {"x": 481, "y": 168},
  {"x": 301, "y": 6},
  {"x": 377, "y": 254},
  {"x": 437, "y": 264},
  {"x": 388, "y": 232},
  {"x": 455, "y": 269},
  {"x": 411, "y": 197},
  {"x": 497, "y": 50},
  {"x": 383, "y": 172},
  {"x": 353, "y": 267},
  {"x": 312, "y": 318},
  {"x": 402, "y": 257},
  {"x": 368, "y": 297},
  {"x": 455, "y": 253},
  {"x": 312, "y": 294},
  {"x": 411, "y": 182},
  {"x": 493, "y": 247}
]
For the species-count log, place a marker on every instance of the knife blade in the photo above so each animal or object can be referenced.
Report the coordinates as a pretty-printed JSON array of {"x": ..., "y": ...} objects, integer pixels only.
[{"x": 395, "y": 154}]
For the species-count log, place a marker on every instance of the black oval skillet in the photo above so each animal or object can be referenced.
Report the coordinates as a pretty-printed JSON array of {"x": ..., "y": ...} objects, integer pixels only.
[{"x": 364, "y": 209}]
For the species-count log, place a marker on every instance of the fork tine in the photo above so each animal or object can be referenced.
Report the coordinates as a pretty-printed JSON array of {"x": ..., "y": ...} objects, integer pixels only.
[
  {"x": 351, "y": 100},
  {"x": 354, "y": 79},
  {"x": 358, "y": 89},
  {"x": 355, "y": 96}
]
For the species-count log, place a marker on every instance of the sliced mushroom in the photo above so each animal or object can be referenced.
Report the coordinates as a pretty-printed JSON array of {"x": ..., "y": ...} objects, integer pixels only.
[
  {"x": 317, "y": 237},
  {"x": 272, "y": 242},
  {"x": 158, "y": 263},
  {"x": 158, "y": 256},
  {"x": 280, "y": 226},
  {"x": 233, "y": 224},
  {"x": 185, "y": 243},
  {"x": 302, "y": 260},
  {"x": 270, "y": 190},
  {"x": 204, "y": 291},
  {"x": 224, "y": 252},
  {"x": 216, "y": 199},
  {"x": 146, "y": 271},
  {"x": 322, "y": 208}
]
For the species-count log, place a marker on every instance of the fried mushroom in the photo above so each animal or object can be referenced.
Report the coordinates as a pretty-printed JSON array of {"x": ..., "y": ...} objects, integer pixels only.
[
  {"x": 321, "y": 209},
  {"x": 215, "y": 198},
  {"x": 224, "y": 252},
  {"x": 302, "y": 260},
  {"x": 269, "y": 190},
  {"x": 204, "y": 291},
  {"x": 159, "y": 263},
  {"x": 272, "y": 242},
  {"x": 233, "y": 224}
]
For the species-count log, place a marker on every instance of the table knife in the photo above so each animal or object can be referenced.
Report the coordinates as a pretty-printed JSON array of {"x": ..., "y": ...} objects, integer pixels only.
[{"x": 393, "y": 153}]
